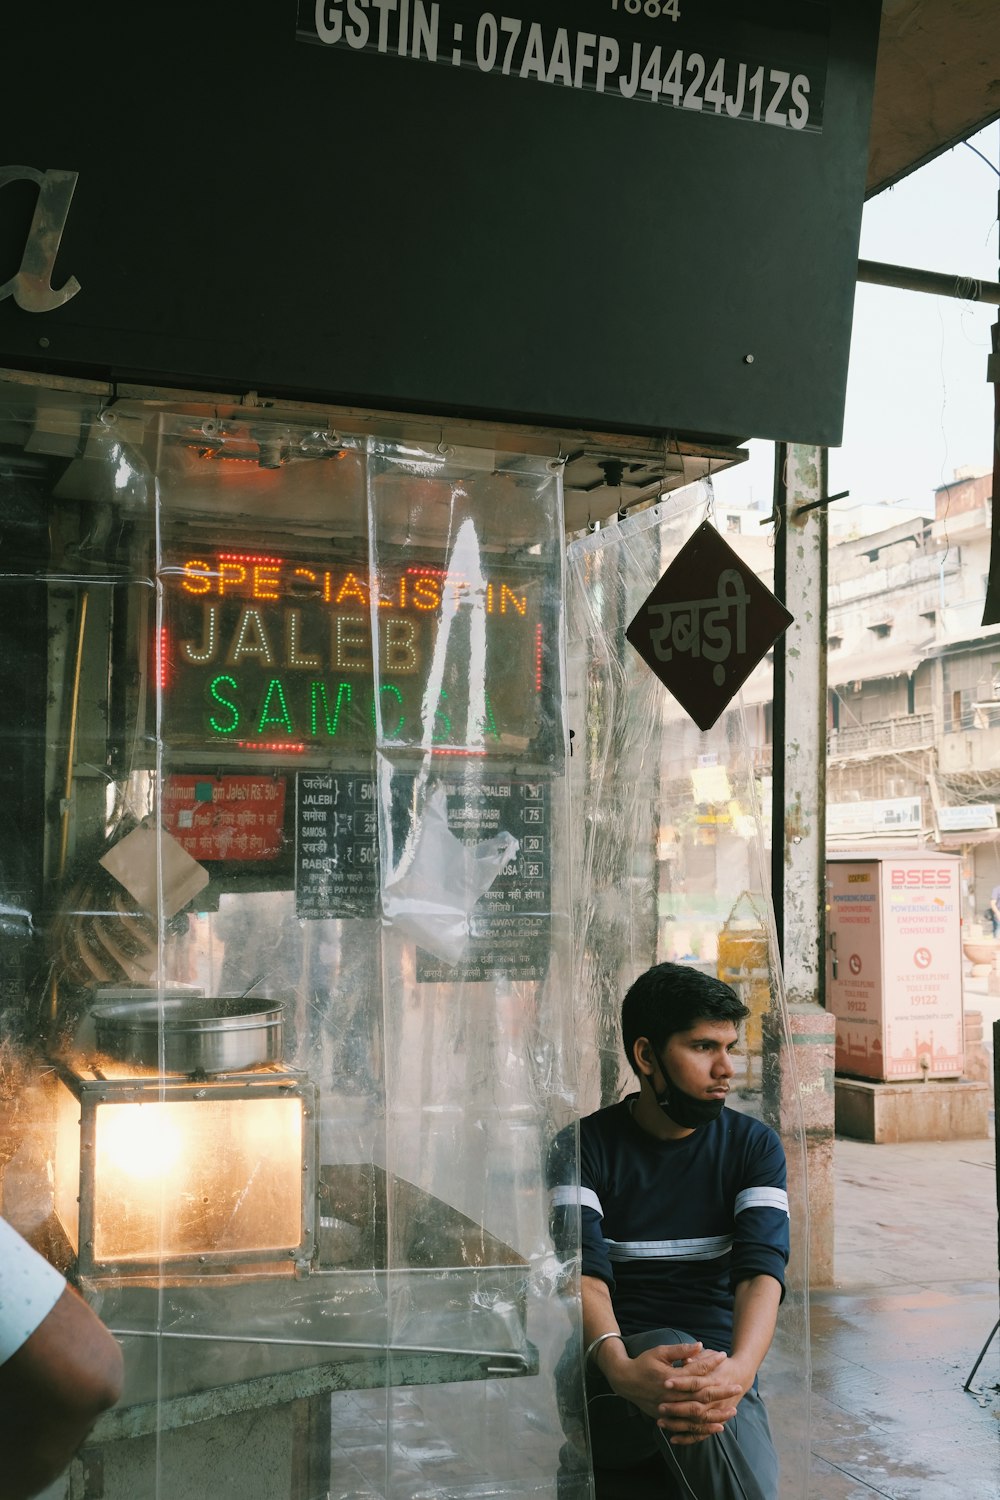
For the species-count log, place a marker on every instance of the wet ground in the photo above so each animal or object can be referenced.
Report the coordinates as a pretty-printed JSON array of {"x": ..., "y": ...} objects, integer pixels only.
[
  {"x": 896, "y": 1339},
  {"x": 893, "y": 1343}
]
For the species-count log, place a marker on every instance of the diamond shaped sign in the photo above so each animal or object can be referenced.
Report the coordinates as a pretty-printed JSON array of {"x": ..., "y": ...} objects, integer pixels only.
[{"x": 706, "y": 625}]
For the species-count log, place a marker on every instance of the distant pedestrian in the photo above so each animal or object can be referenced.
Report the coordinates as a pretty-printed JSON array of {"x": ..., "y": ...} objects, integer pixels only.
[{"x": 994, "y": 911}]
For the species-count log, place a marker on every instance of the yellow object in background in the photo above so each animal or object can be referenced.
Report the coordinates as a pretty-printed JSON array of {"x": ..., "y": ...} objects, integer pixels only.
[{"x": 743, "y": 963}]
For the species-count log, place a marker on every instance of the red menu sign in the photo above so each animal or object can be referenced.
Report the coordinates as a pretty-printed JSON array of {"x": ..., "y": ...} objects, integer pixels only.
[{"x": 226, "y": 817}]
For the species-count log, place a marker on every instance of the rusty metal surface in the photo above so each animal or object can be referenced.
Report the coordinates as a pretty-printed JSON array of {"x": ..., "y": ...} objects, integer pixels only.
[{"x": 935, "y": 82}]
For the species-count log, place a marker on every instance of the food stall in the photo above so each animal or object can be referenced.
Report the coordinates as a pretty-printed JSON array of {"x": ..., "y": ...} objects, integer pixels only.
[
  {"x": 299, "y": 941},
  {"x": 297, "y": 985}
]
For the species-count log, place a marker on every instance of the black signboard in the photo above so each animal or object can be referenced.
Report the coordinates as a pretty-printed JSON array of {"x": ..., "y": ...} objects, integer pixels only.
[
  {"x": 263, "y": 650},
  {"x": 337, "y": 871},
  {"x": 510, "y": 925},
  {"x": 706, "y": 625},
  {"x": 336, "y": 846},
  {"x": 635, "y": 214}
]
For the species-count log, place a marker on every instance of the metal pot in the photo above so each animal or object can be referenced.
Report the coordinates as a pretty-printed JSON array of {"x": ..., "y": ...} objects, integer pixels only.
[{"x": 207, "y": 1034}]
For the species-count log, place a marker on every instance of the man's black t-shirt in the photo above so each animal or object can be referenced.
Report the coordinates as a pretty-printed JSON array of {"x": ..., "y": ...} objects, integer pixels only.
[{"x": 673, "y": 1226}]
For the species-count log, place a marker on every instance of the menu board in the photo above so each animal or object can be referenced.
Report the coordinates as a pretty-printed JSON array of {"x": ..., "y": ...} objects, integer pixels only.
[
  {"x": 510, "y": 925},
  {"x": 336, "y": 849},
  {"x": 337, "y": 864}
]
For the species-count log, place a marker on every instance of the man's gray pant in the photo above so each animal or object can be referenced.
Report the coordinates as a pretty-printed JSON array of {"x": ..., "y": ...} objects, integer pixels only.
[{"x": 737, "y": 1464}]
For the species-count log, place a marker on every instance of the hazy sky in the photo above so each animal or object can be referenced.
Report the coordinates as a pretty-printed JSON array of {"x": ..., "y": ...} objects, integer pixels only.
[{"x": 918, "y": 405}]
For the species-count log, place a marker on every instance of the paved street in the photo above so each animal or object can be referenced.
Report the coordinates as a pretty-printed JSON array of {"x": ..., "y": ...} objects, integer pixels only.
[
  {"x": 895, "y": 1340},
  {"x": 892, "y": 1345}
]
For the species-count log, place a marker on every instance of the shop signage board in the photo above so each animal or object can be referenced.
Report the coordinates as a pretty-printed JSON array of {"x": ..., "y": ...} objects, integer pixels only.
[
  {"x": 889, "y": 815},
  {"x": 304, "y": 258},
  {"x": 706, "y": 624},
  {"x": 270, "y": 652},
  {"x": 977, "y": 817},
  {"x": 226, "y": 818}
]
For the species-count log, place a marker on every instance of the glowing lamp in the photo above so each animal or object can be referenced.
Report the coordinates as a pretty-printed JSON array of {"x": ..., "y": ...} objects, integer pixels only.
[{"x": 178, "y": 1176}]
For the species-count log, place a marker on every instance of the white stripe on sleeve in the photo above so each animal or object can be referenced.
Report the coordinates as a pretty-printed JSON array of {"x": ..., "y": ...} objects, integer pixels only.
[
  {"x": 762, "y": 1197},
  {"x": 708, "y": 1247},
  {"x": 562, "y": 1197}
]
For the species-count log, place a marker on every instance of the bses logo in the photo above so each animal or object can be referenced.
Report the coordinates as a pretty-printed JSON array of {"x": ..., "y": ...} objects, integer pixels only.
[{"x": 921, "y": 878}]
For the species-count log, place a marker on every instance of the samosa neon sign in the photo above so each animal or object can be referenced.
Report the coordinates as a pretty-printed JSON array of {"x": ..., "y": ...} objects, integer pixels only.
[{"x": 266, "y": 651}]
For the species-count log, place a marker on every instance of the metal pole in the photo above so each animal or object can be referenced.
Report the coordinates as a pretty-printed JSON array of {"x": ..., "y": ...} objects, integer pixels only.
[
  {"x": 937, "y": 283},
  {"x": 805, "y": 1088}
]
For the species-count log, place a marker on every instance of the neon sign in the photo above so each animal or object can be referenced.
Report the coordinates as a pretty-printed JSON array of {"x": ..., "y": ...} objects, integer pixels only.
[{"x": 271, "y": 652}]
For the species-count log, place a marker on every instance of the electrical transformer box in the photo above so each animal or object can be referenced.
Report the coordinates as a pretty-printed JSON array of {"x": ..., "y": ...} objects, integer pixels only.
[{"x": 894, "y": 964}]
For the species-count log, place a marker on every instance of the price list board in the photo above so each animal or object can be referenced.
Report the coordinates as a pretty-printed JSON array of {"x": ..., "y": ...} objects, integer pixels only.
[
  {"x": 336, "y": 846},
  {"x": 510, "y": 924},
  {"x": 336, "y": 865}
]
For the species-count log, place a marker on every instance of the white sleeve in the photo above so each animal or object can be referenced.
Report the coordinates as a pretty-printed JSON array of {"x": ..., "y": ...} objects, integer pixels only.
[{"x": 29, "y": 1290}]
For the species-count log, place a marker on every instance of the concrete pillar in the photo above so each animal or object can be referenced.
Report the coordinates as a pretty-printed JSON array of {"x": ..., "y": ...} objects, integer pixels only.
[{"x": 805, "y": 1081}]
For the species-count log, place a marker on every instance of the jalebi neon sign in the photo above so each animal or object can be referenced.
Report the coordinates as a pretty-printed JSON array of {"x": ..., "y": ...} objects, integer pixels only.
[{"x": 261, "y": 650}]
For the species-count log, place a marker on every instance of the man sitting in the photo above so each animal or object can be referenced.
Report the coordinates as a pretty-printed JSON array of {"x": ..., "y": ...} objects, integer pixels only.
[{"x": 684, "y": 1216}]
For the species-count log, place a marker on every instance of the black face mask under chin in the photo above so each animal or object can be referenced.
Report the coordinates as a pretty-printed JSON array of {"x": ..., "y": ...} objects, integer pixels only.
[{"x": 684, "y": 1109}]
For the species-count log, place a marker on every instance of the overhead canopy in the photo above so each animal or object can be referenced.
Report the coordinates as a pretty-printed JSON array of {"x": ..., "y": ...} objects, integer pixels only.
[
  {"x": 864, "y": 666},
  {"x": 968, "y": 838},
  {"x": 936, "y": 82}
]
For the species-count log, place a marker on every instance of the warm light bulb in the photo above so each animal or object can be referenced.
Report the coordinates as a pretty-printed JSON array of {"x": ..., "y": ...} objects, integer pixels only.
[{"x": 139, "y": 1140}]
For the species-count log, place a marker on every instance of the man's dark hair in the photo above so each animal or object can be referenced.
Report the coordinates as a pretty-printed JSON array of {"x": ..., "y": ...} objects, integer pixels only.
[{"x": 673, "y": 997}]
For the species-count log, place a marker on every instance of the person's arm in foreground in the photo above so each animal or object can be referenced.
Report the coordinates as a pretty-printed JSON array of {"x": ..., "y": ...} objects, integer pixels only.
[
  {"x": 52, "y": 1390},
  {"x": 755, "y": 1313},
  {"x": 647, "y": 1380}
]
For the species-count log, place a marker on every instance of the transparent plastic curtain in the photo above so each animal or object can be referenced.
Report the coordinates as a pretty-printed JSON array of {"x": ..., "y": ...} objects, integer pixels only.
[
  {"x": 287, "y": 1020},
  {"x": 218, "y": 1037},
  {"x": 475, "y": 945},
  {"x": 66, "y": 592},
  {"x": 262, "y": 677},
  {"x": 74, "y": 490},
  {"x": 670, "y": 846}
]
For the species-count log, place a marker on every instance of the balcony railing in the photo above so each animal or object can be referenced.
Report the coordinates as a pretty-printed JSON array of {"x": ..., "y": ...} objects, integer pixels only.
[{"x": 903, "y": 732}]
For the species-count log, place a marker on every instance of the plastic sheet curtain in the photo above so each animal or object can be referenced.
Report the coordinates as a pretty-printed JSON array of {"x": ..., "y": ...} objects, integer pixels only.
[
  {"x": 287, "y": 1009},
  {"x": 671, "y": 852},
  {"x": 479, "y": 1050}
]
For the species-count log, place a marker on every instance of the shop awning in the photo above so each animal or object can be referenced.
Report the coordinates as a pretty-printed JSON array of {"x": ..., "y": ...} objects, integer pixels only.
[
  {"x": 932, "y": 85},
  {"x": 968, "y": 838},
  {"x": 881, "y": 661}
]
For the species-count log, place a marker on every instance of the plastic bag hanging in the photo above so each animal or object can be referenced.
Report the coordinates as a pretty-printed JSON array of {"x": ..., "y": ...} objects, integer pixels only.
[{"x": 432, "y": 891}]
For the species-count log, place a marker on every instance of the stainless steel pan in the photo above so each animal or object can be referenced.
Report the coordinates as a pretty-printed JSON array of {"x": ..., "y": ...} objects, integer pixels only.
[{"x": 209, "y": 1034}]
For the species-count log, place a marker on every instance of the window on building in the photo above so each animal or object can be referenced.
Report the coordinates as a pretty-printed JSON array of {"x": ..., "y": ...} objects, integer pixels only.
[
  {"x": 834, "y": 642},
  {"x": 881, "y": 629}
]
